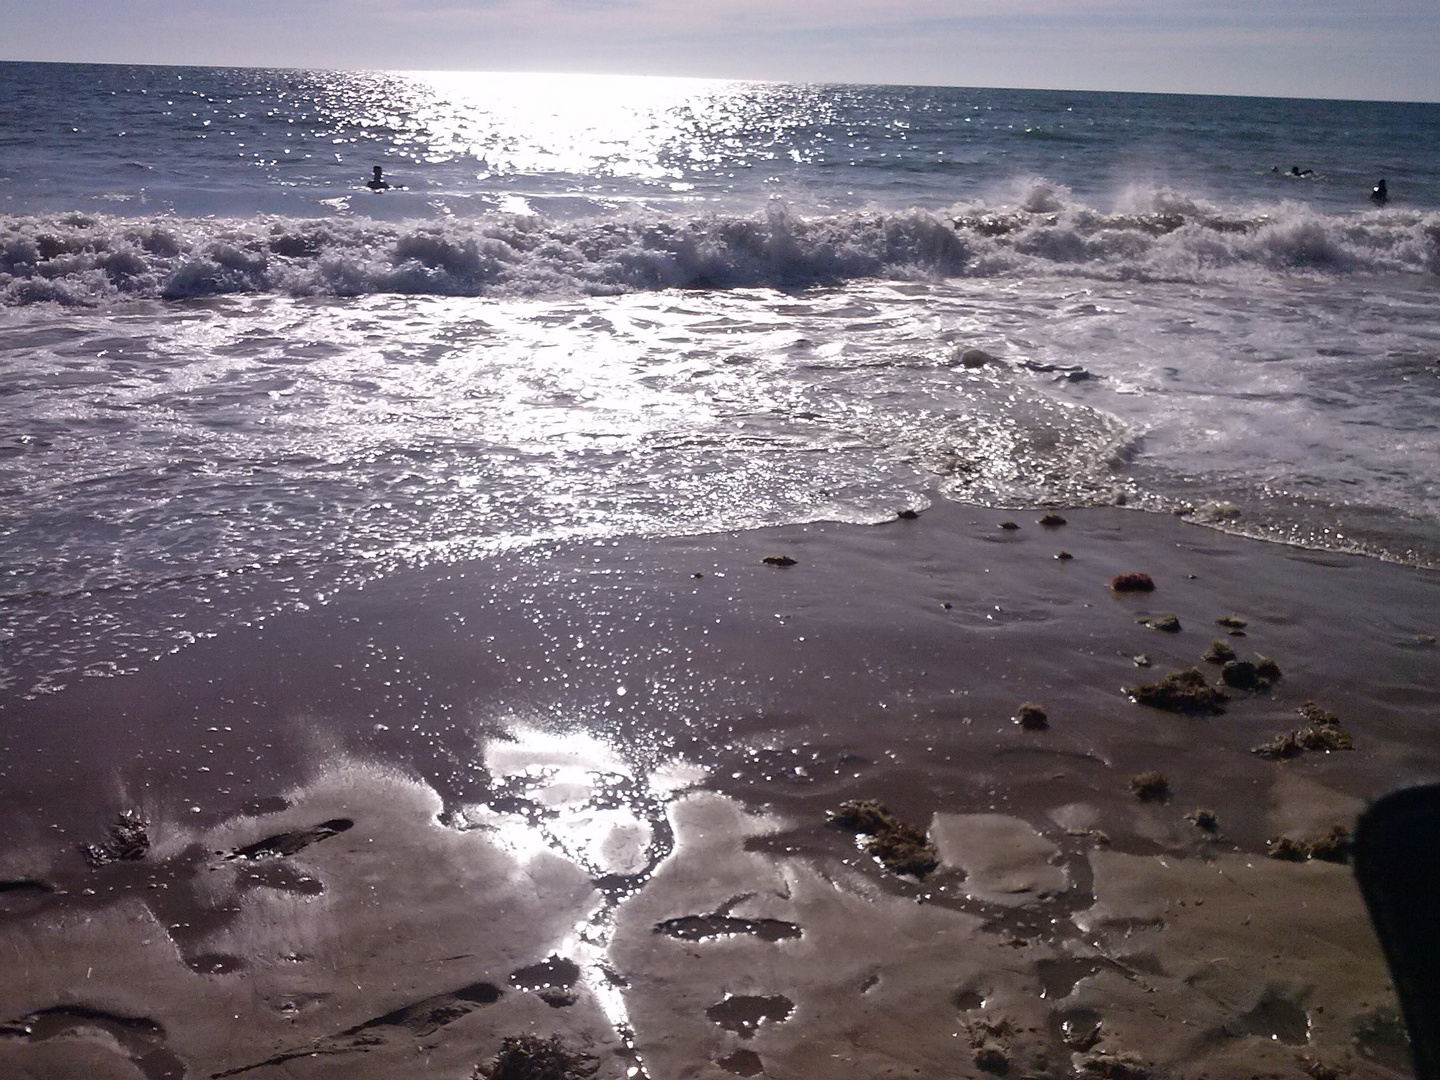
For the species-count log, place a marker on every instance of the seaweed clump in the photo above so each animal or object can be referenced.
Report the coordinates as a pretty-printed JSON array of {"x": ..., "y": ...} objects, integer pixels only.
[
  {"x": 1321, "y": 732},
  {"x": 129, "y": 841},
  {"x": 778, "y": 560},
  {"x": 1031, "y": 717},
  {"x": 527, "y": 1057},
  {"x": 1122, "y": 1066},
  {"x": 988, "y": 1039},
  {"x": 1133, "y": 582},
  {"x": 1219, "y": 652},
  {"x": 992, "y": 1059},
  {"x": 1244, "y": 675},
  {"x": 1205, "y": 820},
  {"x": 1334, "y": 847},
  {"x": 1181, "y": 691},
  {"x": 1150, "y": 786},
  {"x": 902, "y": 847}
]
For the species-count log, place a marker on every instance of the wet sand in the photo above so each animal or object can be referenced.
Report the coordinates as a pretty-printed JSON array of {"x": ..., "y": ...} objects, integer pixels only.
[{"x": 582, "y": 790}]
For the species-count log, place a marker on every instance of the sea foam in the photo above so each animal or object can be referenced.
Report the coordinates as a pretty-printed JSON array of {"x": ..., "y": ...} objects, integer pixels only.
[{"x": 1160, "y": 235}]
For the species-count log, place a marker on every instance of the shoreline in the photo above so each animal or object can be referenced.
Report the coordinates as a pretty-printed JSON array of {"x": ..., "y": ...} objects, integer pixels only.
[{"x": 577, "y": 744}]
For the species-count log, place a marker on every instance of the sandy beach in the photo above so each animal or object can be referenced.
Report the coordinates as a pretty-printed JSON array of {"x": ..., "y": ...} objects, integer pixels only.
[{"x": 581, "y": 790}]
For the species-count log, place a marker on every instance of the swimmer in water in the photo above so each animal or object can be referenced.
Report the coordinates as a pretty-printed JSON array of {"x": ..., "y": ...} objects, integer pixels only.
[
  {"x": 377, "y": 183},
  {"x": 1295, "y": 170},
  {"x": 1380, "y": 195}
]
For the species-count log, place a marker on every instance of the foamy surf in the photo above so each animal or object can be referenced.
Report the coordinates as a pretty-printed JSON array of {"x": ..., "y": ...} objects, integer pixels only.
[{"x": 85, "y": 259}]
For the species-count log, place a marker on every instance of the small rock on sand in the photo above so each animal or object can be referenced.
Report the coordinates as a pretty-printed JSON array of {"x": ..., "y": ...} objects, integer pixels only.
[
  {"x": 778, "y": 560},
  {"x": 1169, "y": 624},
  {"x": 1031, "y": 717},
  {"x": 1053, "y": 521},
  {"x": 974, "y": 358}
]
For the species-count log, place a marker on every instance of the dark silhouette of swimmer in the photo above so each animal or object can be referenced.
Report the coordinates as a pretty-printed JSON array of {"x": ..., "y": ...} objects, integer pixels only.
[
  {"x": 1295, "y": 170},
  {"x": 377, "y": 183},
  {"x": 1380, "y": 195}
]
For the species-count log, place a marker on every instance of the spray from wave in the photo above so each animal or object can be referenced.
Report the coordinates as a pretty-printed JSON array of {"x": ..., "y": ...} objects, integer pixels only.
[{"x": 1154, "y": 235}]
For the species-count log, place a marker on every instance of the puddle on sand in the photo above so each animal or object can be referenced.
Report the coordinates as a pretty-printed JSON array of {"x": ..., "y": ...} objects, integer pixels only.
[
  {"x": 1059, "y": 977},
  {"x": 744, "y": 1013},
  {"x": 742, "y": 1063},
  {"x": 1381, "y": 1038},
  {"x": 1276, "y": 1018},
  {"x": 700, "y": 927},
  {"x": 965, "y": 1000},
  {"x": 142, "y": 1040}
]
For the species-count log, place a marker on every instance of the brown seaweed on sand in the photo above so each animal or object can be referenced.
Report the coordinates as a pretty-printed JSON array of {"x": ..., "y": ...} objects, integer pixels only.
[
  {"x": 129, "y": 841},
  {"x": 527, "y": 1057},
  {"x": 1219, "y": 652},
  {"x": 1321, "y": 732},
  {"x": 1245, "y": 675},
  {"x": 1181, "y": 691},
  {"x": 1150, "y": 786},
  {"x": 1105, "y": 1066},
  {"x": 1132, "y": 582},
  {"x": 988, "y": 1040},
  {"x": 1334, "y": 847},
  {"x": 902, "y": 847},
  {"x": 1204, "y": 819}
]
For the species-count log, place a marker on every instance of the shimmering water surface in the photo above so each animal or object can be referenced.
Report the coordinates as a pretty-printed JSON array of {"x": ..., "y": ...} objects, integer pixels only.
[{"x": 613, "y": 306}]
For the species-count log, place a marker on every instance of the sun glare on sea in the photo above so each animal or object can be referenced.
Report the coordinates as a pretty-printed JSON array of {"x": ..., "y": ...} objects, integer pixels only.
[{"x": 643, "y": 127}]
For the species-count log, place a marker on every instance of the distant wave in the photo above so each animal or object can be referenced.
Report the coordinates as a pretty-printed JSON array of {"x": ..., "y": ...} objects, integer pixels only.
[{"x": 82, "y": 259}]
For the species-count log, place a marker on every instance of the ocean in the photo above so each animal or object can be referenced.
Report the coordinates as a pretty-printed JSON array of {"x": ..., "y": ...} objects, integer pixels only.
[
  {"x": 646, "y": 578},
  {"x": 234, "y": 379}
]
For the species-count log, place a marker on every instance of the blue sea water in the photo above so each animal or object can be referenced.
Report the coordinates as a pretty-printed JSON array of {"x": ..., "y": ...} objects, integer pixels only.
[{"x": 604, "y": 306}]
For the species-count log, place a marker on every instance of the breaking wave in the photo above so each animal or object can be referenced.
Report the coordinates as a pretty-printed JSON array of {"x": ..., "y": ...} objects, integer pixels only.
[{"x": 1157, "y": 235}]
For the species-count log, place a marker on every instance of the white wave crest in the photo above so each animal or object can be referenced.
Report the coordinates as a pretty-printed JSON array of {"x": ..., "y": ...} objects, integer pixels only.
[{"x": 79, "y": 259}]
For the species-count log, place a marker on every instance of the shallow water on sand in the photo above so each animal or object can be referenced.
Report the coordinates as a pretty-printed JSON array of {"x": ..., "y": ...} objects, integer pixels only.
[{"x": 180, "y": 459}]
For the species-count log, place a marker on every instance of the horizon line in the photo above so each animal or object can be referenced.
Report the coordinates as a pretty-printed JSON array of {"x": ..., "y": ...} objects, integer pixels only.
[{"x": 725, "y": 79}]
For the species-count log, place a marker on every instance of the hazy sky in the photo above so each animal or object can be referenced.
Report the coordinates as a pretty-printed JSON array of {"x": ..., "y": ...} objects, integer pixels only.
[{"x": 1303, "y": 48}]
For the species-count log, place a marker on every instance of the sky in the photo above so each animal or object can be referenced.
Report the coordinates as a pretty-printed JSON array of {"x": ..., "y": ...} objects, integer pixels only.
[{"x": 1287, "y": 48}]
